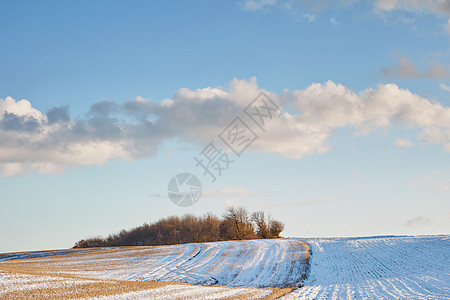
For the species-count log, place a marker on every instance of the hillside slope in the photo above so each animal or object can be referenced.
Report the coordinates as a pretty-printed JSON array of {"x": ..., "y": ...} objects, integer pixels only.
[
  {"x": 378, "y": 268},
  {"x": 237, "y": 269}
]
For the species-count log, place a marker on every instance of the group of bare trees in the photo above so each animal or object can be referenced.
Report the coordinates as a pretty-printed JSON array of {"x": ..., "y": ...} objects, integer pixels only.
[
  {"x": 235, "y": 224},
  {"x": 265, "y": 226},
  {"x": 239, "y": 224}
]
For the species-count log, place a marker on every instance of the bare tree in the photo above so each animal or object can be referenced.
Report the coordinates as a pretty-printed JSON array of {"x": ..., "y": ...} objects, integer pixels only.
[
  {"x": 243, "y": 227},
  {"x": 227, "y": 230},
  {"x": 209, "y": 228},
  {"x": 276, "y": 227},
  {"x": 261, "y": 222},
  {"x": 235, "y": 224}
]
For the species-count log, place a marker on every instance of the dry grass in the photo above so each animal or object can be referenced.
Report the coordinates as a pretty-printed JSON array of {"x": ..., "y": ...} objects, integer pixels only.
[
  {"x": 65, "y": 286},
  {"x": 56, "y": 277},
  {"x": 277, "y": 293},
  {"x": 74, "y": 287},
  {"x": 83, "y": 262},
  {"x": 73, "y": 290}
]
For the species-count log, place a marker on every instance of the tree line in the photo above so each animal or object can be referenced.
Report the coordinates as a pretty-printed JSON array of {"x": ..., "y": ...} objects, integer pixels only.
[{"x": 236, "y": 223}]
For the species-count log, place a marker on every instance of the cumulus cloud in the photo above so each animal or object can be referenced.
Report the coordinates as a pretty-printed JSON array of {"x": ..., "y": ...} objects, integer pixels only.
[
  {"x": 49, "y": 143},
  {"x": 403, "y": 143},
  {"x": 54, "y": 141},
  {"x": 332, "y": 106},
  {"x": 418, "y": 222},
  {"x": 407, "y": 69}
]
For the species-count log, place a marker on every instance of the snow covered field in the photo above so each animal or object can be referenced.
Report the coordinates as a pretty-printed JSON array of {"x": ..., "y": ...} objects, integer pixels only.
[
  {"x": 339, "y": 268},
  {"x": 192, "y": 292},
  {"x": 26, "y": 255},
  {"x": 20, "y": 286},
  {"x": 378, "y": 268},
  {"x": 256, "y": 263},
  {"x": 248, "y": 269}
]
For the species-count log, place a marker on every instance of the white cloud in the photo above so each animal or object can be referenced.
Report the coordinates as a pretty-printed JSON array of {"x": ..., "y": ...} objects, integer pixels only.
[
  {"x": 50, "y": 143},
  {"x": 331, "y": 106},
  {"x": 407, "y": 69},
  {"x": 418, "y": 222},
  {"x": 309, "y": 17},
  {"x": 437, "y": 136},
  {"x": 256, "y": 5},
  {"x": 398, "y": 11},
  {"x": 295, "y": 5},
  {"x": 403, "y": 143},
  {"x": 334, "y": 22},
  {"x": 431, "y": 6},
  {"x": 21, "y": 108},
  {"x": 445, "y": 87},
  {"x": 440, "y": 7}
]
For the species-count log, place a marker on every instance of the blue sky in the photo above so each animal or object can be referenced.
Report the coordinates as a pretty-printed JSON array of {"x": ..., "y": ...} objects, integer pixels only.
[{"x": 120, "y": 96}]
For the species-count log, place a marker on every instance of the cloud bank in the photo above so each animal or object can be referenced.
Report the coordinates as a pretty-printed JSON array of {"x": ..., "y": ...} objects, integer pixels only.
[{"x": 51, "y": 142}]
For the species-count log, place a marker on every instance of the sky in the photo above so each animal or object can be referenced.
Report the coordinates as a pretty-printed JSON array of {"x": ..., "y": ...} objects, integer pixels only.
[{"x": 102, "y": 103}]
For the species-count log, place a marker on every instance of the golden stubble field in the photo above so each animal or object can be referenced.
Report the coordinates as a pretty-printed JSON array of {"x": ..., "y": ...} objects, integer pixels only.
[{"x": 256, "y": 269}]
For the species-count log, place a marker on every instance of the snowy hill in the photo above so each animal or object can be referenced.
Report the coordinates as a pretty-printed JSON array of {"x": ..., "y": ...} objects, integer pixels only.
[
  {"x": 378, "y": 268},
  {"x": 386, "y": 267}
]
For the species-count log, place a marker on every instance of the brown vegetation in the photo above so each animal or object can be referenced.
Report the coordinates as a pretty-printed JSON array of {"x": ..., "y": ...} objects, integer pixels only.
[
  {"x": 41, "y": 284},
  {"x": 235, "y": 224}
]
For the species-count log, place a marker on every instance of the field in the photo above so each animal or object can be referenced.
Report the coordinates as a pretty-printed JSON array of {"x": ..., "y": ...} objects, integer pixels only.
[
  {"x": 240, "y": 269},
  {"x": 378, "y": 268},
  {"x": 338, "y": 268}
]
